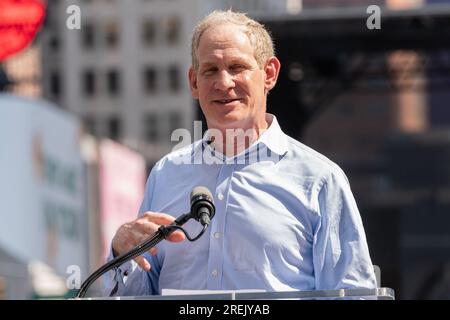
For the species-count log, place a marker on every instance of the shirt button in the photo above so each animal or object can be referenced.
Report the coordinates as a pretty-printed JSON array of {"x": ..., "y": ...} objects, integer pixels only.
[
  {"x": 214, "y": 273},
  {"x": 220, "y": 196},
  {"x": 217, "y": 235}
]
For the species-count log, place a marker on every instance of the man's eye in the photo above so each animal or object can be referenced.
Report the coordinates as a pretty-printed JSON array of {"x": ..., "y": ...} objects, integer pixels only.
[
  {"x": 209, "y": 71},
  {"x": 237, "y": 67}
]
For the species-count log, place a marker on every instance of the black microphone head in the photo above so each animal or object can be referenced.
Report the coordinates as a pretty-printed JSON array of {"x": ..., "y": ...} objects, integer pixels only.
[
  {"x": 202, "y": 203},
  {"x": 202, "y": 192}
]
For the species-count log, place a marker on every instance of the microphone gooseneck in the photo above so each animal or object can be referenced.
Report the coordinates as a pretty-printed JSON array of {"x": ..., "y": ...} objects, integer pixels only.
[{"x": 202, "y": 210}]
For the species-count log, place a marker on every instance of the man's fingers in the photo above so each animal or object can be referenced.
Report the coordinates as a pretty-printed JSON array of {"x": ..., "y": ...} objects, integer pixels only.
[
  {"x": 147, "y": 228},
  {"x": 158, "y": 218},
  {"x": 143, "y": 263},
  {"x": 176, "y": 236},
  {"x": 135, "y": 232},
  {"x": 153, "y": 251},
  {"x": 151, "y": 221}
]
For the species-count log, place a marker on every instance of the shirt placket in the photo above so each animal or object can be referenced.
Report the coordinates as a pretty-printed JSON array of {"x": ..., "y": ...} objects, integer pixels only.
[{"x": 216, "y": 247}]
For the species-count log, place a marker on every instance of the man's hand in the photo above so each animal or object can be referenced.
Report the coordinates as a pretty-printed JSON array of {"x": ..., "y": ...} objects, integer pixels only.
[{"x": 133, "y": 233}]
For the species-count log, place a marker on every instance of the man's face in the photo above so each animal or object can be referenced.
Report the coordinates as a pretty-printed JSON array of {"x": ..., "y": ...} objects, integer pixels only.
[{"x": 229, "y": 84}]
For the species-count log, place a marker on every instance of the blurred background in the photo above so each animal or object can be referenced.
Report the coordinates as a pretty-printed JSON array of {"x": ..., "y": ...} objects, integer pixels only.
[{"x": 87, "y": 110}]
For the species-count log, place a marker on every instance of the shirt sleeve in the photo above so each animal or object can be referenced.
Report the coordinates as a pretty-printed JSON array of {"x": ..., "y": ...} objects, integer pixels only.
[
  {"x": 340, "y": 252},
  {"x": 129, "y": 279},
  {"x": 126, "y": 280}
]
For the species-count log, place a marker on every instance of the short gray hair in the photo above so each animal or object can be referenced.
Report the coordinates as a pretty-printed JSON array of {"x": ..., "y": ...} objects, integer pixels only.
[{"x": 258, "y": 35}]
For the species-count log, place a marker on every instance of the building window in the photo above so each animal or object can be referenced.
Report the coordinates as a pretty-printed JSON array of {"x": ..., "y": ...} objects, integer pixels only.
[
  {"x": 175, "y": 121},
  {"x": 114, "y": 128},
  {"x": 151, "y": 128},
  {"x": 174, "y": 78},
  {"x": 150, "y": 80},
  {"x": 173, "y": 27},
  {"x": 149, "y": 32},
  {"x": 88, "y": 83},
  {"x": 54, "y": 43},
  {"x": 113, "y": 82},
  {"x": 55, "y": 84},
  {"x": 87, "y": 36},
  {"x": 112, "y": 34}
]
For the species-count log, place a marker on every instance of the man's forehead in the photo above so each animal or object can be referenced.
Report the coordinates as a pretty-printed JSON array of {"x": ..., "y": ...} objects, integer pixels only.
[
  {"x": 229, "y": 54},
  {"x": 229, "y": 44},
  {"x": 224, "y": 35}
]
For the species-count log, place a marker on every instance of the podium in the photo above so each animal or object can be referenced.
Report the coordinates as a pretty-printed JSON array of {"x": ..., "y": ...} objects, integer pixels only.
[{"x": 341, "y": 294}]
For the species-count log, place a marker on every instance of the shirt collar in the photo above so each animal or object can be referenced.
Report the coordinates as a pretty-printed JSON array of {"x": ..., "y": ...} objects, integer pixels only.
[{"x": 273, "y": 137}]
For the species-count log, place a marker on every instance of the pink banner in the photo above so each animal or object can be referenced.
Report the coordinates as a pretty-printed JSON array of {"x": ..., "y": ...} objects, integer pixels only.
[{"x": 122, "y": 180}]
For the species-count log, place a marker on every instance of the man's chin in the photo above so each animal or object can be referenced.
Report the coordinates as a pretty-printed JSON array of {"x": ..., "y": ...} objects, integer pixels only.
[{"x": 232, "y": 120}]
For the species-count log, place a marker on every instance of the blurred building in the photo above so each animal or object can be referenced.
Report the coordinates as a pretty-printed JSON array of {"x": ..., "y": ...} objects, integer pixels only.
[
  {"x": 419, "y": 203},
  {"x": 275, "y": 8},
  {"x": 125, "y": 72},
  {"x": 14, "y": 277},
  {"x": 42, "y": 196},
  {"x": 353, "y": 128}
]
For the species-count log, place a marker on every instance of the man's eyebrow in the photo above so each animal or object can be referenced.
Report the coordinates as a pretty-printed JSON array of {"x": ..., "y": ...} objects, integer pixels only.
[
  {"x": 207, "y": 64},
  {"x": 239, "y": 60},
  {"x": 232, "y": 60}
]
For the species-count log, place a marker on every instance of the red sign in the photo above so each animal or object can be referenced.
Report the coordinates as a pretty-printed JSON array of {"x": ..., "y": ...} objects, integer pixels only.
[{"x": 19, "y": 22}]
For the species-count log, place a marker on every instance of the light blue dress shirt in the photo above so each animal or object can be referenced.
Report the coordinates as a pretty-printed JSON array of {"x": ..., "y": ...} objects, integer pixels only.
[{"x": 285, "y": 219}]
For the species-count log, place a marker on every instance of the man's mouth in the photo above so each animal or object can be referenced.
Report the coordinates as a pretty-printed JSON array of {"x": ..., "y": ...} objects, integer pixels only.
[{"x": 225, "y": 101}]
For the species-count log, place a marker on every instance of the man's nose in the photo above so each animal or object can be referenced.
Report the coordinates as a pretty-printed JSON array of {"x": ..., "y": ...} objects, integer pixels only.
[{"x": 224, "y": 81}]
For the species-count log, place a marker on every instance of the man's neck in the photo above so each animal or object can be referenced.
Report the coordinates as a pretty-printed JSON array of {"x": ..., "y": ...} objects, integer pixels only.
[{"x": 233, "y": 141}]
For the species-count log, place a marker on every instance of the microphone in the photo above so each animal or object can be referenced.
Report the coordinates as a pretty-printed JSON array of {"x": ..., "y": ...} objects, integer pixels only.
[
  {"x": 202, "y": 210},
  {"x": 202, "y": 206}
]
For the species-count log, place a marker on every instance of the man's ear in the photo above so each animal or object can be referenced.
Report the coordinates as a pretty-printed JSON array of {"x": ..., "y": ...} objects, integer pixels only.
[
  {"x": 272, "y": 69},
  {"x": 193, "y": 83}
]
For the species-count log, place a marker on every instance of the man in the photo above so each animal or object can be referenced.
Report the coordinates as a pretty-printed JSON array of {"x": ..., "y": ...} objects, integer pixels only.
[{"x": 287, "y": 221}]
